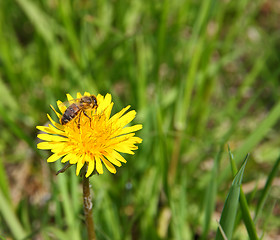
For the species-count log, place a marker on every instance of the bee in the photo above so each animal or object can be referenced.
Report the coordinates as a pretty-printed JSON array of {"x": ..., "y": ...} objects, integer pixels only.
[{"x": 77, "y": 108}]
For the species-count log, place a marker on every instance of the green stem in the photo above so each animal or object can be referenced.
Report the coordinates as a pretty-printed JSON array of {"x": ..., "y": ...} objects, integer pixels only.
[{"x": 88, "y": 209}]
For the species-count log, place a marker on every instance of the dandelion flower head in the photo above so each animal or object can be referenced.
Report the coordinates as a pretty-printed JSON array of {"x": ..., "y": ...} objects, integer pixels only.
[{"x": 92, "y": 137}]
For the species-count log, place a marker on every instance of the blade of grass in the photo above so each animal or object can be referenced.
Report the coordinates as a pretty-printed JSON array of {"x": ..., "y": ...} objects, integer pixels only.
[
  {"x": 178, "y": 202},
  {"x": 211, "y": 193},
  {"x": 142, "y": 71},
  {"x": 40, "y": 20},
  {"x": 17, "y": 130},
  {"x": 267, "y": 219},
  {"x": 266, "y": 189},
  {"x": 162, "y": 31},
  {"x": 47, "y": 31},
  {"x": 66, "y": 13},
  {"x": 182, "y": 109},
  {"x": 183, "y": 104},
  {"x": 8, "y": 99},
  {"x": 249, "y": 223},
  {"x": 109, "y": 214},
  {"x": 58, "y": 233},
  {"x": 202, "y": 18},
  {"x": 212, "y": 189},
  {"x": 260, "y": 132},
  {"x": 67, "y": 205},
  {"x": 6, "y": 46},
  {"x": 4, "y": 183},
  {"x": 229, "y": 212},
  {"x": 10, "y": 218},
  {"x": 248, "y": 81},
  {"x": 74, "y": 188},
  {"x": 255, "y": 137},
  {"x": 222, "y": 231}
]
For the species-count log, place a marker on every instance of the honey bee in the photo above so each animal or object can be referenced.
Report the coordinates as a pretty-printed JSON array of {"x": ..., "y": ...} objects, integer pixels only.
[{"x": 77, "y": 108}]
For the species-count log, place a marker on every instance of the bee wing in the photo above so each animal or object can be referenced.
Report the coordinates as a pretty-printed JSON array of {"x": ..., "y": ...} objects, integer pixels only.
[{"x": 64, "y": 105}]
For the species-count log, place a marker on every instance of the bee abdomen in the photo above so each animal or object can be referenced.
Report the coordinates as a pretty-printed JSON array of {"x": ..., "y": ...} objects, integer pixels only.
[{"x": 70, "y": 113}]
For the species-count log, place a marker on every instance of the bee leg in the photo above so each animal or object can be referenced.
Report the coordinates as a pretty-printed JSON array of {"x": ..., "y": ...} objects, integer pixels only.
[
  {"x": 79, "y": 116},
  {"x": 88, "y": 117}
]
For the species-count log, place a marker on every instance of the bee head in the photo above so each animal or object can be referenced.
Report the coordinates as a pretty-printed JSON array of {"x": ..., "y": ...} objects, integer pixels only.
[
  {"x": 93, "y": 101},
  {"x": 89, "y": 101}
]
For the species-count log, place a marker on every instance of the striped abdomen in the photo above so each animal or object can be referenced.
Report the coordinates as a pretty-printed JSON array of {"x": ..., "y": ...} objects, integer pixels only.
[{"x": 70, "y": 113}]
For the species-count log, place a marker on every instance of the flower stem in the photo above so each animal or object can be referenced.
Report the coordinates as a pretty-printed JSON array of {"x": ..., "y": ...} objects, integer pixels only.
[{"x": 88, "y": 209}]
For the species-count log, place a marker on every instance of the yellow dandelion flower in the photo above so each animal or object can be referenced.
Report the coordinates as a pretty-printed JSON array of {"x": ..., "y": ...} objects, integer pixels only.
[{"x": 90, "y": 136}]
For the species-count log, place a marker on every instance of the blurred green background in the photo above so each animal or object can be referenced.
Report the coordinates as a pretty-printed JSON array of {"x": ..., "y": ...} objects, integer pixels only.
[{"x": 200, "y": 74}]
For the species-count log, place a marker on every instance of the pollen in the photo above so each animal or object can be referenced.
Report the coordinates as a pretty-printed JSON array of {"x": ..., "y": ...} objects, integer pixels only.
[{"x": 93, "y": 138}]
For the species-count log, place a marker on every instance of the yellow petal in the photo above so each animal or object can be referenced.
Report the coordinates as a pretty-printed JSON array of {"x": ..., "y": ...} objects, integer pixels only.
[
  {"x": 61, "y": 106},
  {"x": 99, "y": 98},
  {"x": 69, "y": 97},
  {"x": 59, "y": 132},
  {"x": 53, "y": 138},
  {"x": 57, "y": 114},
  {"x": 90, "y": 168},
  {"x": 79, "y": 95},
  {"x": 47, "y": 145},
  {"x": 57, "y": 125},
  {"x": 107, "y": 99},
  {"x": 67, "y": 158},
  {"x": 118, "y": 156},
  {"x": 109, "y": 166},
  {"x": 54, "y": 158},
  {"x": 75, "y": 158},
  {"x": 59, "y": 148},
  {"x": 87, "y": 94},
  {"x": 80, "y": 164},
  {"x": 123, "y": 148},
  {"x": 119, "y": 114},
  {"x": 122, "y": 138},
  {"x": 108, "y": 110},
  {"x": 70, "y": 148},
  {"x": 50, "y": 129},
  {"x": 128, "y": 130},
  {"x": 104, "y": 103},
  {"x": 113, "y": 160},
  {"x": 131, "y": 140},
  {"x": 99, "y": 167},
  {"x": 136, "y": 140},
  {"x": 133, "y": 147},
  {"x": 127, "y": 118},
  {"x": 45, "y": 129}
]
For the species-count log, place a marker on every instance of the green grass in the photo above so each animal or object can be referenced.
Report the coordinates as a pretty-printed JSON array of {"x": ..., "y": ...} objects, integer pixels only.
[{"x": 201, "y": 76}]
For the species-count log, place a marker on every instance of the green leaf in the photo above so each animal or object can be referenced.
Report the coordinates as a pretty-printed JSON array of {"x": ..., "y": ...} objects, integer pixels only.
[
  {"x": 10, "y": 218},
  {"x": 267, "y": 188},
  {"x": 249, "y": 223},
  {"x": 231, "y": 205},
  {"x": 210, "y": 196}
]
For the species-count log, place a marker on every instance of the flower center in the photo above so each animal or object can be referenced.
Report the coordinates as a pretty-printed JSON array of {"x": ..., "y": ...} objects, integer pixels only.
[{"x": 89, "y": 134}]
